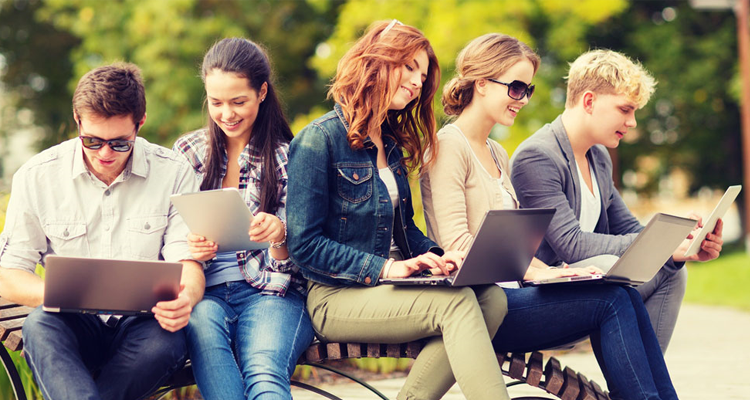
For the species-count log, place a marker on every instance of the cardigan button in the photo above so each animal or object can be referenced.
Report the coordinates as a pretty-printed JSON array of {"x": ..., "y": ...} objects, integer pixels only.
[{"x": 368, "y": 280}]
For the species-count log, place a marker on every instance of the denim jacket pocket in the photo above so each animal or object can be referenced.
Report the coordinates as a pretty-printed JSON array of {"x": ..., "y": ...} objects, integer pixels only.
[
  {"x": 145, "y": 236},
  {"x": 355, "y": 183},
  {"x": 67, "y": 238}
]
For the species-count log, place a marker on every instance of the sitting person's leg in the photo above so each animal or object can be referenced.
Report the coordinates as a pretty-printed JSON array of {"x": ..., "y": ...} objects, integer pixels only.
[
  {"x": 391, "y": 314},
  {"x": 652, "y": 347},
  {"x": 210, "y": 336},
  {"x": 140, "y": 358},
  {"x": 61, "y": 350},
  {"x": 663, "y": 298},
  {"x": 544, "y": 317},
  {"x": 437, "y": 381},
  {"x": 272, "y": 333}
]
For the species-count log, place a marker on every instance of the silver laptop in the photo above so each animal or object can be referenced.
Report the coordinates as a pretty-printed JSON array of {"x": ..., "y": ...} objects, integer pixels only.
[
  {"x": 220, "y": 215},
  {"x": 500, "y": 251},
  {"x": 644, "y": 257},
  {"x": 99, "y": 286}
]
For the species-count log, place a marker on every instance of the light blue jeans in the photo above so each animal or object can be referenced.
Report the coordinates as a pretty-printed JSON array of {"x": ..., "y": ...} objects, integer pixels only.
[{"x": 245, "y": 345}]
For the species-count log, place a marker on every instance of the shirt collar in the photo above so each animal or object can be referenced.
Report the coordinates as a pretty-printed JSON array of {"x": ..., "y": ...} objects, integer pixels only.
[{"x": 137, "y": 163}]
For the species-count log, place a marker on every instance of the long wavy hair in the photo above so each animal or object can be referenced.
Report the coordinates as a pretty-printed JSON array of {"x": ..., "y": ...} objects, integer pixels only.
[
  {"x": 364, "y": 88},
  {"x": 249, "y": 60}
]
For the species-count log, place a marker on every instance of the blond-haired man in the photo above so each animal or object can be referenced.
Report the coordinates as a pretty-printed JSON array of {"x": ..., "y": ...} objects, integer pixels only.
[{"x": 565, "y": 165}]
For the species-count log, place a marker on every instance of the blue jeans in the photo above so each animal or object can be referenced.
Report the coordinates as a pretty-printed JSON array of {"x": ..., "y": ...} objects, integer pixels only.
[
  {"x": 245, "y": 345},
  {"x": 663, "y": 296},
  {"x": 614, "y": 317},
  {"x": 76, "y": 356}
]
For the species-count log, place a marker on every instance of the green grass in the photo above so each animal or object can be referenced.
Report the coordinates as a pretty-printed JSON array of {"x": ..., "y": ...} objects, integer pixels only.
[{"x": 722, "y": 282}]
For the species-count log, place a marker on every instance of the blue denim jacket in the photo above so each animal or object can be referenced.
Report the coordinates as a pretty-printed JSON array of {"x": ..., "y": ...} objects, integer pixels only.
[{"x": 340, "y": 218}]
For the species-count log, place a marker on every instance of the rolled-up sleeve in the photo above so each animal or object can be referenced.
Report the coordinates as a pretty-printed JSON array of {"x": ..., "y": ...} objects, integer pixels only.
[
  {"x": 23, "y": 240},
  {"x": 175, "y": 236}
]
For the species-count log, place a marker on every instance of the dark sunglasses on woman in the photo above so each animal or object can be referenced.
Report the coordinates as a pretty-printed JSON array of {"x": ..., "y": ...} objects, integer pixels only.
[{"x": 517, "y": 89}]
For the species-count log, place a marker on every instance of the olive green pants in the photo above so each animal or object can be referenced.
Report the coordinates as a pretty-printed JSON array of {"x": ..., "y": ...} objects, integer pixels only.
[{"x": 461, "y": 322}]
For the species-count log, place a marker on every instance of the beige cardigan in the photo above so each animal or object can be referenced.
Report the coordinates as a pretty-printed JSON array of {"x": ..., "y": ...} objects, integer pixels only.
[{"x": 457, "y": 190}]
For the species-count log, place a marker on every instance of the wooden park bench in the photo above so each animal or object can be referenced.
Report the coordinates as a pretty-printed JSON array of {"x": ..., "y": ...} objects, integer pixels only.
[{"x": 524, "y": 368}]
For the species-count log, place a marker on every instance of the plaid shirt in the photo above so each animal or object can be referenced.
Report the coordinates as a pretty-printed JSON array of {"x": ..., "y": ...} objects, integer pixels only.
[{"x": 271, "y": 276}]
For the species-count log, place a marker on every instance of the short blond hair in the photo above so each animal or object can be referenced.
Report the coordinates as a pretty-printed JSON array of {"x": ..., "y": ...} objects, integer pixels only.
[{"x": 610, "y": 72}]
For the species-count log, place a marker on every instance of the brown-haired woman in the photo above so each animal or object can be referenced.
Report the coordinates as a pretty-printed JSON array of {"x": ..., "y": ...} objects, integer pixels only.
[{"x": 352, "y": 224}]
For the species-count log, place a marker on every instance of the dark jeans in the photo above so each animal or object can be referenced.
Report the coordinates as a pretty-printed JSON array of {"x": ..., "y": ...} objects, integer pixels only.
[
  {"x": 614, "y": 317},
  {"x": 76, "y": 356}
]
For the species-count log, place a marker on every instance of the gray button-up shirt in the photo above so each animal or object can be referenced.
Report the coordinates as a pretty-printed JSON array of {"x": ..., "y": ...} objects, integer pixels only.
[{"x": 58, "y": 207}]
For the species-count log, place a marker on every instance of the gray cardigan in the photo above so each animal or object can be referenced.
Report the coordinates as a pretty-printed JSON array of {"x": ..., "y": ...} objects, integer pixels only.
[{"x": 544, "y": 175}]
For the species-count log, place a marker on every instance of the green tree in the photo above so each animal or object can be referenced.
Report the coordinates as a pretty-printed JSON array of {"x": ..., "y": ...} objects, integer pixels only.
[
  {"x": 35, "y": 68},
  {"x": 167, "y": 39},
  {"x": 556, "y": 28},
  {"x": 692, "y": 122}
]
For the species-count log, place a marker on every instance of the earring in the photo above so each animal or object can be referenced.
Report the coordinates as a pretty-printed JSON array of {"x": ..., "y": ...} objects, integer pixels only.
[{"x": 262, "y": 98}]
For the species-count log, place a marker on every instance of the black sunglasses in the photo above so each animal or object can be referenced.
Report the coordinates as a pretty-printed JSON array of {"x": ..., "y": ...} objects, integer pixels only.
[
  {"x": 517, "y": 89},
  {"x": 95, "y": 143}
]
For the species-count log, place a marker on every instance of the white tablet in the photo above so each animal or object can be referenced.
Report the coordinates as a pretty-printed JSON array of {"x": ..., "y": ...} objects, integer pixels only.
[
  {"x": 710, "y": 223},
  {"x": 221, "y": 216}
]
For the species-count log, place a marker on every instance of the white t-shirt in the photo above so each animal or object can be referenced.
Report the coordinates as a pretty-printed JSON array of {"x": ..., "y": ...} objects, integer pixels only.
[
  {"x": 386, "y": 175},
  {"x": 591, "y": 203}
]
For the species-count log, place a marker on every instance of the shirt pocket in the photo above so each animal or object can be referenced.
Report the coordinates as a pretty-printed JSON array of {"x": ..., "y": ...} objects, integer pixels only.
[
  {"x": 355, "y": 183},
  {"x": 145, "y": 236},
  {"x": 67, "y": 238}
]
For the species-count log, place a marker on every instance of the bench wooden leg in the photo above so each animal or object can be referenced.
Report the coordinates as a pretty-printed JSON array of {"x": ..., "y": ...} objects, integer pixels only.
[{"x": 12, "y": 371}]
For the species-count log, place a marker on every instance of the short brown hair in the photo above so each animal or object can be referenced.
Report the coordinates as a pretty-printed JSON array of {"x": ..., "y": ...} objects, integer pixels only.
[{"x": 111, "y": 91}]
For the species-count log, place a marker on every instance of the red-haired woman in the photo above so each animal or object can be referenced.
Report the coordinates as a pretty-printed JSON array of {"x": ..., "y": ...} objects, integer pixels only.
[{"x": 350, "y": 221}]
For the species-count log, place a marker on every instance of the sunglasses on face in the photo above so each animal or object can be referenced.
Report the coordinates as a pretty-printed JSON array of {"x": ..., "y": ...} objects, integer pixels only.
[
  {"x": 517, "y": 89},
  {"x": 95, "y": 143}
]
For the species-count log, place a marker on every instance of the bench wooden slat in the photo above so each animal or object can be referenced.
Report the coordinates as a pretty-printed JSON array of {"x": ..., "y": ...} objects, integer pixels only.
[
  {"x": 315, "y": 353},
  {"x": 553, "y": 376},
  {"x": 600, "y": 395},
  {"x": 14, "y": 341},
  {"x": 6, "y": 304},
  {"x": 354, "y": 350},
  {"x": 393, "y": 350},
  {"x": 333, "y": 351},
  {"x": 373, "y": 350},
  {"x": 571, "y": 387},
  {"x": 14, "y": 312},
  {"x": 413, "y": 349},
  {"x": 586, "y": 390},
  {"x": 6, "y": 327},
  {"x": 534, "y": 371},
  {"x": 517, "y": 365}
]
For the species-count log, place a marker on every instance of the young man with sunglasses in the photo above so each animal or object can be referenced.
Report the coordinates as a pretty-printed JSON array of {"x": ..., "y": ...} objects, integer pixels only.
[
  {"x": 565, "y": 165},
  {"x": 104, "y": 195}
]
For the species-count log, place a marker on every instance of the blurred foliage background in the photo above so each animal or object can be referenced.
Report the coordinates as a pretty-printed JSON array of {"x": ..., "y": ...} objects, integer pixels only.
[
  {"x": 46, "y": 45},
  {"x": 691, "y": 126}
]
